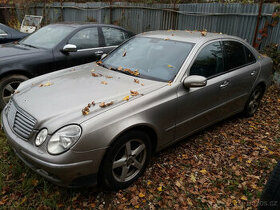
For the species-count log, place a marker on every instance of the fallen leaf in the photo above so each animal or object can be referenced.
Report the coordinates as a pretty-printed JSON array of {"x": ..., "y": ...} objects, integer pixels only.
[
  {"x": 193, "y": 178},
  {"x": 169, "y": 83},
  {"x": 166, "y": 39},
  {"x": 126, "y": 98},
  {"x": 94, "y": 74},
  {"x": 142, "y": 84},
  {"x": 203, "y": 171},
  {"x": 109, "y": 77},
  {"x": 104, "y": 82},
  {"x": 204, "y": 33},
  {"x": 244, "y": 198},
  {"x": 170, "y": 66},
  {"x": 124, "y": 54},
  {"x": 136, "y": 81},
  {"x": 99, "y": 62},
  {"x": 46, "y": 84},
  {"x": 149, "y": 183},
  {"x": 134, "y": 93},
  {"x": 93, "y": 103},
  {"x": 120, "y": 68},
  {"x": 141, "y": 195},
  {"x": 110, "y": 103},
  {"x": 102, "y": 104},
  {"x": 34, "y": 182},
  {"x": 159, "y": 189}
]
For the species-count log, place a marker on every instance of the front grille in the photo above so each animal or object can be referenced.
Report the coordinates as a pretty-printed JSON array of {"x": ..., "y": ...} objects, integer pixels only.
[{"x": 20, "y": 121}]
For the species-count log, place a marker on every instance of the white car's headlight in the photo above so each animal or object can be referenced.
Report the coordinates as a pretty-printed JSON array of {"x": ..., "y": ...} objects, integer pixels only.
[
  {"x": 63, "y": 139},
  {"x": 41, "y": 137}
]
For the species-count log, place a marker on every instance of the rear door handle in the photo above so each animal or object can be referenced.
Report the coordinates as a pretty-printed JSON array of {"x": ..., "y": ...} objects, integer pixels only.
[
  {"x": 253, "y": 73},
  {"x": 225, "y": 84},
  {"x": 99, "y": 52}
]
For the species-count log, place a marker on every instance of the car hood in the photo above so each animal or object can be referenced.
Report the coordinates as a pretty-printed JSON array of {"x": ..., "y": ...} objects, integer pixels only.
[
  {"x": 8, "y": 51},
  {"x": 60, "y": 97}
]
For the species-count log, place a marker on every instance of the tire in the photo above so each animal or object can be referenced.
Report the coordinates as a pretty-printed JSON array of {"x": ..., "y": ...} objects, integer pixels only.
[
  {"x": 254, "y": 101},
  {"x": 270, "y": 198},
  {"x": 129, "y": 163},
  {"x": 7, "y": 87}
]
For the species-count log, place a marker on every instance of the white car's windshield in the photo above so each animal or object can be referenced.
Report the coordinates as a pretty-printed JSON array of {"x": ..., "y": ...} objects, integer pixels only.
[
  {"x": 153, "y": 58},
  {"x": 47, "y": 37}
]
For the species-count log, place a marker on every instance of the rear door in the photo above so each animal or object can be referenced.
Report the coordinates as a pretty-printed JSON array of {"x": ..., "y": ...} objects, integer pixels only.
[{"x": 4, "y": 36}]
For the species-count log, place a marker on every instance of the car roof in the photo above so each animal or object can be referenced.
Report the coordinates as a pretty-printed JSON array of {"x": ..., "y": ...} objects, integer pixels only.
[
  {"x": 84, "y": 24},
  {"x": 186, "y": 36}
]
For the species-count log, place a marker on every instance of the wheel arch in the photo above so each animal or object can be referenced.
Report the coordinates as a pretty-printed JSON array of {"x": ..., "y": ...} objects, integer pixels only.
[{"x": 16, "y": 71}]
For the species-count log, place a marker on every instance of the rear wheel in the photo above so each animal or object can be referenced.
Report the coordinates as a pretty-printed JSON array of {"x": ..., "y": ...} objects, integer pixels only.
[
  {"x": 8, "y": 85},
  {"x": 126, "y": 160},
  {"x": 254, "y": 101}
]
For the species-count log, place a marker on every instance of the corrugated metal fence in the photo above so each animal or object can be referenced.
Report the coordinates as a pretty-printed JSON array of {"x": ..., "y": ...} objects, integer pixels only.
[{"x": 234, "y": 19}]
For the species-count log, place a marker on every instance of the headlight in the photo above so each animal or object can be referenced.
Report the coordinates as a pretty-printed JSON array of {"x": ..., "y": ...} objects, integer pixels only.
[
  {"x": 63, "y": 139},
  {"x": 41, "y": 137}
]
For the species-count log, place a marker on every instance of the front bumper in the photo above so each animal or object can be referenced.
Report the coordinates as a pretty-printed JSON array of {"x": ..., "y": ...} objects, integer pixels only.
[{"x": 71, "y": 169}]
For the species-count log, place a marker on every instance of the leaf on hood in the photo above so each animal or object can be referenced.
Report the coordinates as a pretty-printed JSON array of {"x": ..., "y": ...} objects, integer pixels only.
[
  {"x": 104, "y": 82},
  {"x": 108, "y": 76},
  {"x": 99, "y": 62},
  {"x": 85, "y": 111},
  {"x": 46, "y": 84},
  {"x": 120, "y": 68},
  {"x": 136, "y": 81},
  {"x": 110, "y": 103},
  {"x": 126, "y": 98},
  {"x": 89, "y": 105},
  {"x": 169, "y": 83},
  {"x": 102, "y": 105},
  {"x": 93, "y": 103},
  {"x": 166, "y": 39},
  {"x": 136, "y": 73},
  {"x": 94, "y": 74},
  {"x": 204, "y": 33},
  {"x": 142, "y": 84},
  {"x": 134, "y": 93}
]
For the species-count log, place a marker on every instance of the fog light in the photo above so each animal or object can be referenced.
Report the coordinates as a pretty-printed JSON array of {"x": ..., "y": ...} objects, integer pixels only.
[{"x": 41, "y": 137}]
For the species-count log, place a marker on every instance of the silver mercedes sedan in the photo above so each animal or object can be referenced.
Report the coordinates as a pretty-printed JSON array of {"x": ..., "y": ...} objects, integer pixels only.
[{"x": 100, "y": 123}]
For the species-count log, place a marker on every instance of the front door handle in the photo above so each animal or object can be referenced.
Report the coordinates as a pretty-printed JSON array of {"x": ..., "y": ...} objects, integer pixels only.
[
  {"x": 225, "y": 84},
  {"x": 253, "y": 73},
  {"x": 99, "y": 52}
]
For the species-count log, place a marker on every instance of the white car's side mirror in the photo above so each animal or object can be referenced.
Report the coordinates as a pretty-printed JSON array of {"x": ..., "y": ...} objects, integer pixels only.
[{"x": 70, "y": 48}]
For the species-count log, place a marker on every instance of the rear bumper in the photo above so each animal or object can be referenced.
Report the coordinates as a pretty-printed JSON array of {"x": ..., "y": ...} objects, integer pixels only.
[{"x": 79, "y": 169}]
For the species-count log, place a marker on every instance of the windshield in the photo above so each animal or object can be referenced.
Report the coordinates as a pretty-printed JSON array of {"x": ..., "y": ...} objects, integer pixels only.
[
  {"x": 48, "y": 37},
  {"x": 153, "y": 58}
]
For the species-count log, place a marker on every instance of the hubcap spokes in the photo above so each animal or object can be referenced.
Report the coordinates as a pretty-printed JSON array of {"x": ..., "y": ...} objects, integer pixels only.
[
  {"x": 129, "y": 160},
  {"x": 255, "y": 101},
  {"x": 9, "y": 90}
]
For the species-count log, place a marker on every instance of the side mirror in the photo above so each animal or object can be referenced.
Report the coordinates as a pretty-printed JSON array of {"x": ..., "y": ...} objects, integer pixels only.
[
  {"x": 70, "y": 48},
  {"x": 195, "y": 81},
  {"x": 103, "y": 56}
]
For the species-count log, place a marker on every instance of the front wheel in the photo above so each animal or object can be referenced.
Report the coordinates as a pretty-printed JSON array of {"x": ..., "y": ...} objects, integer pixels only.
[
  {"x": 126, "y": 160},
  {"x": 254, "y": 101},
  {"x": 8, "y": 85}
]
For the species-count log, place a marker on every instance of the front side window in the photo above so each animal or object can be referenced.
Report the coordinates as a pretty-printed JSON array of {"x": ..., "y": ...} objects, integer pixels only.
[
  {"x": 234, "y": 55},
  {"x": 153, "y": 58},
  {"x": 86, "y": 39},
  {"x": 48, "y": 37},
  {"x": 113, "y": 36},
  {"x": 2, "y": 32},
  {"x": 209, "y": 61},
  {"x": 249, "y": 56}
]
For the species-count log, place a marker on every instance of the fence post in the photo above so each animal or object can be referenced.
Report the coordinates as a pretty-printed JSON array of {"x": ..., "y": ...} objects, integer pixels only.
[{"x": 258, "y": 23}]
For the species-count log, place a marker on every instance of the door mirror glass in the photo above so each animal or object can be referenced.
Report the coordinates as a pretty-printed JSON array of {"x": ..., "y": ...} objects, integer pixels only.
[
  {"x": 195, "y": 81},
  {"x": 70, "y": 48}
]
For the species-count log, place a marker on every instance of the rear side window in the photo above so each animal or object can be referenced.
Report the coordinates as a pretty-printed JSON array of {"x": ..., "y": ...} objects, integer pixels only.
[
  {"x": 249, "y": 56},
  {"x": 234, "y": 55},
  {"x": 209, "y": 61},
  {"x": 114, "y": 36}
]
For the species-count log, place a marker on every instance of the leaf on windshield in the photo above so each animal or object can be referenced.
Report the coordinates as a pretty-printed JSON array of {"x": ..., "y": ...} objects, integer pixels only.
[
  {"x": 170, "y": 66},
  {"x": 99, "y": 62},
  {"x": 136, "y": 73},
  {"x": 120, "y": 68},
  {"x": 126, "y": 98},
  {"x": 110, "y": 103},
  {"x": 124, "y": 54},
  {"x": 46, "y": 84},
  {"x": 104, "y": 82},
  {"x": 136, "y": 81},
  {"x": 134, "y": 93},
  {"x": 109, "y": 77},
  {"x": 102, "y": 105},
  {"x": 204, "y": 33}
]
